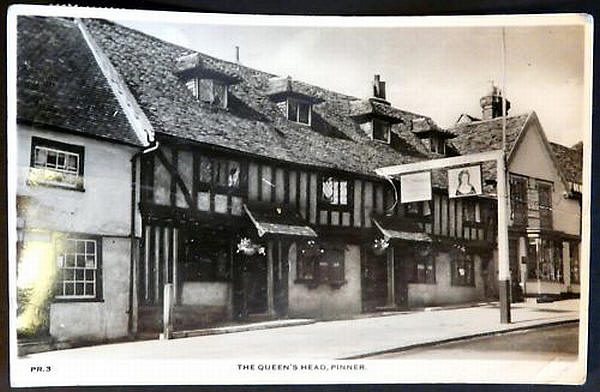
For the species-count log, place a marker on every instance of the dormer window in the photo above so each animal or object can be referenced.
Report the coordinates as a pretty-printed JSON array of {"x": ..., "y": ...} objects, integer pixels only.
[
  {"x": 208, "y": 90},
  {"x": 381, "y": 130},
  {"x": 206, "y": 83},
  {"x": 294, "y": 103},
  {"x": 437, "y": 145},
  {"x": 299, "y": 111}
]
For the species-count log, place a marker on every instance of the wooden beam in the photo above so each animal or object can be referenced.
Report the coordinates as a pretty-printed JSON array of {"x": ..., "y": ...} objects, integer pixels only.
[{"x": 439, "y": 163}]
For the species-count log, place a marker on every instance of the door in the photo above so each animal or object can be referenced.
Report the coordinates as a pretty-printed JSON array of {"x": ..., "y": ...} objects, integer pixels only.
[
  {"x": 401, "y": 276},
  {"x": 255, "y": 276},
  {"x": 374, "y": 280}
]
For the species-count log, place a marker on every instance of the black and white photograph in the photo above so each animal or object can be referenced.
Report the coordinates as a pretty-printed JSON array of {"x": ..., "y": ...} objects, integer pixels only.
[{"x": 242, "y": 199}]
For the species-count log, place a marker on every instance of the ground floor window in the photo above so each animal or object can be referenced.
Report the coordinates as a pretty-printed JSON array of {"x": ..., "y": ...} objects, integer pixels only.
[
  {"x": 320, "y": 263},
  {"x": 78, "y": 261},
  {"x": 545, "y": 260},
  {"x": 574, "y": 255},
  {"x": 424, "y": 266},
  {"x": 463, "y": 270},
  {"x": 207, "y": 260}
]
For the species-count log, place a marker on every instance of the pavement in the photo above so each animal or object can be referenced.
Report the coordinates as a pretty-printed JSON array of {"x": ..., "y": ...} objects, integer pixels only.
[{"x": 341, "y": 339}]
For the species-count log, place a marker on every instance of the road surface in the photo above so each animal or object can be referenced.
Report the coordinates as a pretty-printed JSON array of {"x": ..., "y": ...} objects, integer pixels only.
[{"x": 549, "y": 343}]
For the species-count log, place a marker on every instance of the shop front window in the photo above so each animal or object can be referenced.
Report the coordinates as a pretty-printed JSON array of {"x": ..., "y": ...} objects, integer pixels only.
[
  {"x": 546, "y": 262},
  {"x": 574, "y": 255}
]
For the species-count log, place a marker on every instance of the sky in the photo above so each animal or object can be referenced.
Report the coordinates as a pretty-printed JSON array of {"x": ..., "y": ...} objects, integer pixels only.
[{"x": 439, "y": 72}]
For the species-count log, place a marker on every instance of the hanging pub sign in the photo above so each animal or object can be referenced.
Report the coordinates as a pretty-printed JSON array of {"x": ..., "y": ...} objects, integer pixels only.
[
  {"x": 415, "y": 187},
  {"x": 464, "y": 181}
]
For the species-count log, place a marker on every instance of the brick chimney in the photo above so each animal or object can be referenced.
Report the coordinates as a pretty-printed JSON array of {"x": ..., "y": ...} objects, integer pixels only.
[{"x": 491, "y": 104}]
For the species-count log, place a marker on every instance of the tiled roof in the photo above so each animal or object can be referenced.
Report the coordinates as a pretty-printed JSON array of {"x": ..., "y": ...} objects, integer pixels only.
[
  {"x": 479, "y": 136},
  {"x": 252, "y": 123},
  {"x": 570, "y": 160},
  {"x": 60, "y": 84}
]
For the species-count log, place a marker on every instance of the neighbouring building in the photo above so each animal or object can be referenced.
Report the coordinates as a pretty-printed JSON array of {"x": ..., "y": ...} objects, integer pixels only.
[
  {"x": 545, "y": 196},
  {"x": 76, "y": 136},
  {"x": 254, "y": 195}
]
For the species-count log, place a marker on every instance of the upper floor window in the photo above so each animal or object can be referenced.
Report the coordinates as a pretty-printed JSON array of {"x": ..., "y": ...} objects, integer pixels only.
[
  {"x": 299, "y": 111},
  {"x": 220, "y": 172},
  {"x": 545, "y": 204},
  {"x": 518, "y": 200},
  {"x": 418, "y": 209},
  {"x": 437, "y": 145},
  {"x": 78, "y": 261},
  {"x": 334, "y": 191},
  {"x": 381, "y": 130},
  {"x": 55, "y": 163},
  {"x": 208, "y": 90}
]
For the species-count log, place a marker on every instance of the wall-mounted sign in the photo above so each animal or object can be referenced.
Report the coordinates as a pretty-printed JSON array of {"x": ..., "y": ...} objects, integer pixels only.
[
  {"x": 415, "y": 187},
  {"x": 464, "y": 181}
]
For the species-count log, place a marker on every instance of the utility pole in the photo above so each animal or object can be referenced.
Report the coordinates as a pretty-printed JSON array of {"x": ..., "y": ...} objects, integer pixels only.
[{"x": 502, "y": 186}]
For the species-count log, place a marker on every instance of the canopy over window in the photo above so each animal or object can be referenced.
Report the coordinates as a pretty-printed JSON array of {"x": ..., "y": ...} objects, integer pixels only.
[
  {"x": 394, "y": 228},
  {"x": 277, "y": 219}
]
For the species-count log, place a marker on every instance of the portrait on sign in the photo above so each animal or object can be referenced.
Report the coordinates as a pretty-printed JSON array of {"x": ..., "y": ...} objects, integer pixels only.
[{"x": 464, "y": 181}]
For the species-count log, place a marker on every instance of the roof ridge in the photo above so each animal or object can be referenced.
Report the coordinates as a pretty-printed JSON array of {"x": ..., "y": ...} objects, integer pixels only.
[{"x": 477, "y": 122}]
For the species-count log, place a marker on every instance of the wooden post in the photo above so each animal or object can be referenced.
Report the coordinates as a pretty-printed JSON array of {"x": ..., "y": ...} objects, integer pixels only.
[
  {"x": 167, "y": 312},
  {"x": 270, "y": 280},
  {"x": 390, "y": 277}
]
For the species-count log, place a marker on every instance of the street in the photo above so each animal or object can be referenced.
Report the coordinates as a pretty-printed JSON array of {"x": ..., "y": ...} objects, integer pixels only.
[
  {"x": 547, "y": 343},
  {"x": 543, "y": 348}
]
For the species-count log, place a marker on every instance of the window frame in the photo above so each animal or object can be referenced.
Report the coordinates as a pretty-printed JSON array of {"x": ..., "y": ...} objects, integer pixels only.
[
  {"x": 98, "y": 276},
  {"x": 59, "y": 147},
  {"x": 428, "y": 259},
  {"x": 298, "y": 103},
  {"x": 337, "y": 180},
  {"x": 214, "y": 184},
  {"x": 518, "y": 205},
  {"x": 388, "y": 127},
  {"x": 419, "y": 214},
  {"x": 574, "y": 262},
  {"x": 212, "y": 253},
  {"x": 322, "y": 270},
  {"x": 194, "y": 85},
  {"x": 436, "y": 144},
  {"x": 545, "y": 210},
  {"x": 458, "y": 260}
]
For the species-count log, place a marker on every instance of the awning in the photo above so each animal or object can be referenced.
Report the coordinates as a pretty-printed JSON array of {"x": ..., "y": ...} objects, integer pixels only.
[
  {"x": 277, "y": 219},
  {"x": 395, "y": 229}
]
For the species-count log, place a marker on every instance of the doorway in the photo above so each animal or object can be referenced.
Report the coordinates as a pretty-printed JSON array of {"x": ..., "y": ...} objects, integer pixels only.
[{"x": 374, "y": 280}]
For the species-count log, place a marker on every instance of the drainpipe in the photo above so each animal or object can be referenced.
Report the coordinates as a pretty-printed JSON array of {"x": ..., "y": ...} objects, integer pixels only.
[{"x": 154, "y": 146}]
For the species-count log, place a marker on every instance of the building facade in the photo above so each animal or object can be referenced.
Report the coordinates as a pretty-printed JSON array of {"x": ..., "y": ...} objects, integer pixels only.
[
  {"x": 545, "y": 198},
  {"x": 255, "y": 196}
]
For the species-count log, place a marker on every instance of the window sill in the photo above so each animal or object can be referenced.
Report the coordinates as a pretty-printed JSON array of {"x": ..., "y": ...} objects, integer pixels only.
[
  {"x": 70, "y": 300},
  {"x": 462, "y": 285},
  {"x": 312, "y": 284},
  {"x": 54, "y": 185}
]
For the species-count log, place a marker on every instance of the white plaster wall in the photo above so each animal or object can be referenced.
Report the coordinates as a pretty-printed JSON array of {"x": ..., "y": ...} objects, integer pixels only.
[
  {"x": 206, "y": 293},
  {"x": 107, "y": 319},
  {"x": 324, "y": 301},
  {"x": 532, "y": 159},
  {"x": 104, "y": 208},
  {"x": 442, "y": 292}
]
